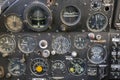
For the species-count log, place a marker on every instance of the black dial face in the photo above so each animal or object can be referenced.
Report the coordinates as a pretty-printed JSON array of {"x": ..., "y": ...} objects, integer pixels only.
[
  {"x": 77, "y": 67},
  {"x": 97, "y": 22},
  {"x": 80, "y": 42},
  {"x": 7, "y": 44},
  {"x": 27, "y": 44},
  {"x": 13, "y": 23},
  {"x": 70, "y": 15},
  {"x": 58, "y": 68},
  {"x": 16, "y": 67},
  {"x": 38, "y": 16},
  {"x": 97, "y": 54},
  {"x": 61, "y": 45},
  {"x": 96, "y": 5},
  {"x": 38, "y": 66}
]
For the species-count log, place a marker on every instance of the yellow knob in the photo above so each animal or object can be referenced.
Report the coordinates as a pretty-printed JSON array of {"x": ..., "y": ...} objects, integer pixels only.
[
  {"x": 39, "y": 69},
  {"x": 72, "y": 69}
]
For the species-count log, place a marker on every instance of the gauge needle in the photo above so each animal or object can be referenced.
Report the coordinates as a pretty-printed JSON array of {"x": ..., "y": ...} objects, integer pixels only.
[
  {"x": 96, "y": 20},
  {"x": 14, "y": 19},
  {"x": 24, "y": 44},
  {"x": 59, "y": 47},
  {"x": 7, "y": 41},
  {"x": 15, "y": 68},
  {"x": 73, "y": 63}
]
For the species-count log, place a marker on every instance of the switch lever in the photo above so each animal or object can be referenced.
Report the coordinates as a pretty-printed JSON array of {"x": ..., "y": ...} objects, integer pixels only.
[{"x": 2, "y": 73}]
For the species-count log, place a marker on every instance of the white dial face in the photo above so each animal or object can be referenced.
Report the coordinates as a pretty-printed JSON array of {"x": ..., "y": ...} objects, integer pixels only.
[{"x": 14, "y": 23}]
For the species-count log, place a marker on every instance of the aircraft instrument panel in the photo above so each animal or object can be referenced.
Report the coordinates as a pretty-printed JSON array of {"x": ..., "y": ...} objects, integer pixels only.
[{"x": 59, "y": 39}]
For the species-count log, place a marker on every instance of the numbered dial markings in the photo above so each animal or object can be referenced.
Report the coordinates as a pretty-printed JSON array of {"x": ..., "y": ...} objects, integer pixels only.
[
  {"x": 13, "y": 23},
  {"x": 7, "y": 44},
  {"x": 97, "y": 22},
  {"x": 80, "y": 42},
  {"x": 16, "y": 67},
  {"x": 27, "y": 44},
  {"x": 38, "y": 66},
  {"x": 61, "y": 45},
  {"x": 77, "y": 67},
  {"x": 97, "y": 54}
]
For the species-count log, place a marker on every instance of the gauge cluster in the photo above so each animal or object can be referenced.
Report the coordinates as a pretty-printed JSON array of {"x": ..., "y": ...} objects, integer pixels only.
[
  {"x": 57, "y": 16},
  {"x": 57, "y": 56},
  {"x": 59, "y": 40}
]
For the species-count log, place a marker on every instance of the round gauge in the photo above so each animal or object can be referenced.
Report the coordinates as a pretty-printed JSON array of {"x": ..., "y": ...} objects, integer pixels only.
[
  {"x": 96, "y": 5},
  {"x": 97, "y": 54},
  {"x": 70, "y": 15},
  {"x": 27, "y": 44},
  {"x": 7, "y": 44},
  {"x": 80, "y": 42},
  {"x": 16, "y": 67},
  {"x": 58, "y": 65},
  {"x": 13, "y": 23},
  {"x": 77, "y": 67},
  {"x": 97, "y": 22},
  {"x": 61, "y": 45},
  {"x": 38, "y": 16},
  {"x": 38, "y": 66},
  {"x": 58, "y": 68}
]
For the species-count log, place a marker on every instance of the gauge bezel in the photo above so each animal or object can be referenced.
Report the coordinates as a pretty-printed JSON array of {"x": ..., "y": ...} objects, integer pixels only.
[
  {"x": 104, "y": 53},
  {"x": 17, "y": 61},
  {"x": 107, "y": 1},
  {"x": 119, "y": 17},
  {"x": 19, "y": 42},
  {"x": 45, "y": 63},
  {"x": 7, "y": 26},
  {"x": 45, "y": 42},
  {"x": 53, "y": 43},
  {"x": 103, "y": 28},
  {"x": 82, "y": 37},
  {"x": 13, "y": 39},
  {"x": 42, "y": 6},
  {"x": 98, "y": 8},
  {"x": 84, "y": 67},
  {"x": 75, "y": 22}
]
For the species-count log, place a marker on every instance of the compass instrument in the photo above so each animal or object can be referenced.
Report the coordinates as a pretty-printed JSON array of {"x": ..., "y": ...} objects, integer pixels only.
[{"x": 38, "y": 16}]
